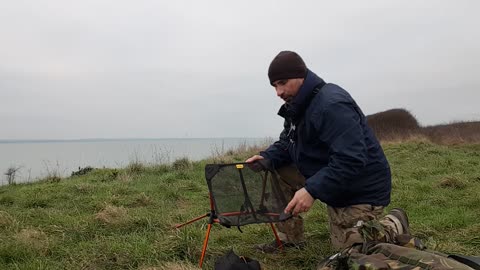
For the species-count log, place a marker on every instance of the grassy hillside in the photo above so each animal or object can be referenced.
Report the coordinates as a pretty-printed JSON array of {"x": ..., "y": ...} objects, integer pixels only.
[{"x": 122, "y": 219}]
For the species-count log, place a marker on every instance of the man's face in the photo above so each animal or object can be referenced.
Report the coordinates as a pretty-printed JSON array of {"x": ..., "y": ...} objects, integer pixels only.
[{"x": 287, "y": 89}]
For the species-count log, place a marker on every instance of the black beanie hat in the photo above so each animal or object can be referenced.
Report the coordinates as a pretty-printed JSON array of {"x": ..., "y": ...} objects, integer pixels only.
[{"x": 286, "y": 65}]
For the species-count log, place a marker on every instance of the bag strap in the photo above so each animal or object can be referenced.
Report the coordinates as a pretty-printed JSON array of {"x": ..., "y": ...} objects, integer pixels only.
[{"x": 473, "y": 262}]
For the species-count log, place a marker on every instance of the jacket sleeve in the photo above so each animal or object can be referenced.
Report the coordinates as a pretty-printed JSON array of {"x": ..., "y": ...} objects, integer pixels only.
[
  {"x": 338, "y": 126},
  {"x": 278, "y": 153}
]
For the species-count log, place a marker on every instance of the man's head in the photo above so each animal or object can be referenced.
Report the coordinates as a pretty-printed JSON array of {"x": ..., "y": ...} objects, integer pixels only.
[{"x": 286, "y": 73}]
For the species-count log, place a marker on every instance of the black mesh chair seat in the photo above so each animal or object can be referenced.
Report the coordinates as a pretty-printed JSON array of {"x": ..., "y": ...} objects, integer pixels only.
[{"x": 245, "y": 193}]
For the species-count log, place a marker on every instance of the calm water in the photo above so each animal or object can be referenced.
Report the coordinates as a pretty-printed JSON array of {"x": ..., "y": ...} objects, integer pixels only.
[{"x": 37, "y": 159}]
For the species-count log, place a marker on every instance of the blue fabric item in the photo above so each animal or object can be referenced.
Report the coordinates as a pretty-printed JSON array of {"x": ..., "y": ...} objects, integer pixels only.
[{"x": 326, "y": 136}]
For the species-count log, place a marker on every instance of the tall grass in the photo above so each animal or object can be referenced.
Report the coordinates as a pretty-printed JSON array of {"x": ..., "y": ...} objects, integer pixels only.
[{"x": 238, "y": 153}]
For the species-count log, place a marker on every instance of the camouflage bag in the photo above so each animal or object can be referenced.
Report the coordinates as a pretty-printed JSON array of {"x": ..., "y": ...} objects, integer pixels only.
[
  {"x": 381, "y": 256},
  {"x": 406, "y": 252}
]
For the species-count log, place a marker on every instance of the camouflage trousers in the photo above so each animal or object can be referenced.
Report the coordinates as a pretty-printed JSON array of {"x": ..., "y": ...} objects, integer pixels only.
[{"x": 348, "y": 225}]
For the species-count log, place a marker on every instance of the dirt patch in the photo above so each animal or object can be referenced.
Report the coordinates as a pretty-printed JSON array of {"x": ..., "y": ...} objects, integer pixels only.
[
  {"x": 111, "y": 215},
  {"x": 141, "y": 200},
  {"x": 33, "y": 238},
  {"x": 84, "y": 188},
  {"x": 452, "y": 182}
]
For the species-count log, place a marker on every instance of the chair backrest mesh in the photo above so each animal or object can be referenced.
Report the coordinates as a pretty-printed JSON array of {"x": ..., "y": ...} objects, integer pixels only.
[{"x": 245, "y": 193}]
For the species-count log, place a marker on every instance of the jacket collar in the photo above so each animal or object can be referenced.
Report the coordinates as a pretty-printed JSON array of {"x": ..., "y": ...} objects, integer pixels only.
[{"x": 294, "y": 109}]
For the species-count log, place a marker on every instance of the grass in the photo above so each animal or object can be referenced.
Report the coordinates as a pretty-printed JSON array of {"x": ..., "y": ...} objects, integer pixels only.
[{"x": 123, "y": 219}]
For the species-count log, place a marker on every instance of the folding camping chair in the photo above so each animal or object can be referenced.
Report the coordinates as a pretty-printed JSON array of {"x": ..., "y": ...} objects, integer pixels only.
[{"x": 241, "y": 194}]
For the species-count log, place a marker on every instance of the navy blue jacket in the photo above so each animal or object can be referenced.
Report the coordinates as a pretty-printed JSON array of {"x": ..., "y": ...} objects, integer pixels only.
[{"x": 326, "y": 136}]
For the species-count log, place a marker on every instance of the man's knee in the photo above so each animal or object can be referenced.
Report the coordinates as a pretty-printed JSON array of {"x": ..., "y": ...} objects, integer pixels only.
[
  {"x": 345, "y": 223},
  {"x": 291, "y": 177}
]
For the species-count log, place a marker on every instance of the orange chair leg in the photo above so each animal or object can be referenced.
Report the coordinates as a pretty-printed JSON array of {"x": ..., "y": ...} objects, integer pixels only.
[
  {"x": 279, "y": 242},
  {"x": 178, "y": 226},
  {"x": 205, "y": 243}
]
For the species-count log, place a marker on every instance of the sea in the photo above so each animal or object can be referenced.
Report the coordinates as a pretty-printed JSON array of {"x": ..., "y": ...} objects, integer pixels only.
[{"x": 36, "y": 159}]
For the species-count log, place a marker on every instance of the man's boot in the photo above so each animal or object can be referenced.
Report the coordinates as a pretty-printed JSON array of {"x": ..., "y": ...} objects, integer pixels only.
[
  {"x": 399, "y": 217},
  {"x": 291, "y": 234}
]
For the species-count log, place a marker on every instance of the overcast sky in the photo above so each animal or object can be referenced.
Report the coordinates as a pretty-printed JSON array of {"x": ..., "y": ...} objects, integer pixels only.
[{"x": 158, "y": 69}]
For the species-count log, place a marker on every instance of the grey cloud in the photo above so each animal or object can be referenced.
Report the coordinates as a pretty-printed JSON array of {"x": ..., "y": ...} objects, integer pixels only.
[{"x": 75, "y": 69}]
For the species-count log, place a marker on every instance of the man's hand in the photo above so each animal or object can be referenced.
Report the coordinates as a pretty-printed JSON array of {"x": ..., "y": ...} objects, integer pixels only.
[
  {"x": 254, "y": 158},
  {"x": 301, "y": 202}
]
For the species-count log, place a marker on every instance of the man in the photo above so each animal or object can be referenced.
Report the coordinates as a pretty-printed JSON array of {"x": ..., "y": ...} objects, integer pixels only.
[{"x": 327, "y": 152}]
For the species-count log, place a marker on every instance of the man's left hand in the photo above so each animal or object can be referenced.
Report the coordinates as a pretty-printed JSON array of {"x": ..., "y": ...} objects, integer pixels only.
[{"x": 302, "y": 202}]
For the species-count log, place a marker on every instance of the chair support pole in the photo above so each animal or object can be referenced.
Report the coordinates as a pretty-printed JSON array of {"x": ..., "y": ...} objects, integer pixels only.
[
  {"x": 191, "y": 221},
  {"x": 279, "y": 242},
  {"x": 205, "y": 244}
]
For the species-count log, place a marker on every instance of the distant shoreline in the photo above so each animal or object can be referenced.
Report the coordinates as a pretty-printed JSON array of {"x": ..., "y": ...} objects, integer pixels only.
[{"x": 115, "y": 140}]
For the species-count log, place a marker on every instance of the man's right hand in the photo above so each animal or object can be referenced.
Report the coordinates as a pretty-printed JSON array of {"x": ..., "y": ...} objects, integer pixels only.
[{"x": 254, "y": 158}]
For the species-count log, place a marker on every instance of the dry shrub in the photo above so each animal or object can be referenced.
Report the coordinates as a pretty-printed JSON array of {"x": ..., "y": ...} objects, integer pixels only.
[
  {"x": 6, "y": 220},
  {"x": 395, "y": 124},
  {"x": 135, "y": 167},
  {"x": 82, "y": 171},
  {"x": 451, "y": 182},
  {"x": 125, "y": 177},
  {"x": 112, "y": 215},
  {"x": 413, "y": 138},
  {"x": 34, "y": 239},
  {"x": 11, "y": 173},
  {"x": 53, "y": 179},
  {"x": 110, "y": 175},
  {"x": 454, "y": 133},
  {"x": 399, "y": 125},
  {"x": 182, "y": 164}
]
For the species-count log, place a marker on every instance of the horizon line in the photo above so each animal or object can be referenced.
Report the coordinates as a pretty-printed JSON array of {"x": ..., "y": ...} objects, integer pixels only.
[{"x": 120, "y": 139}]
